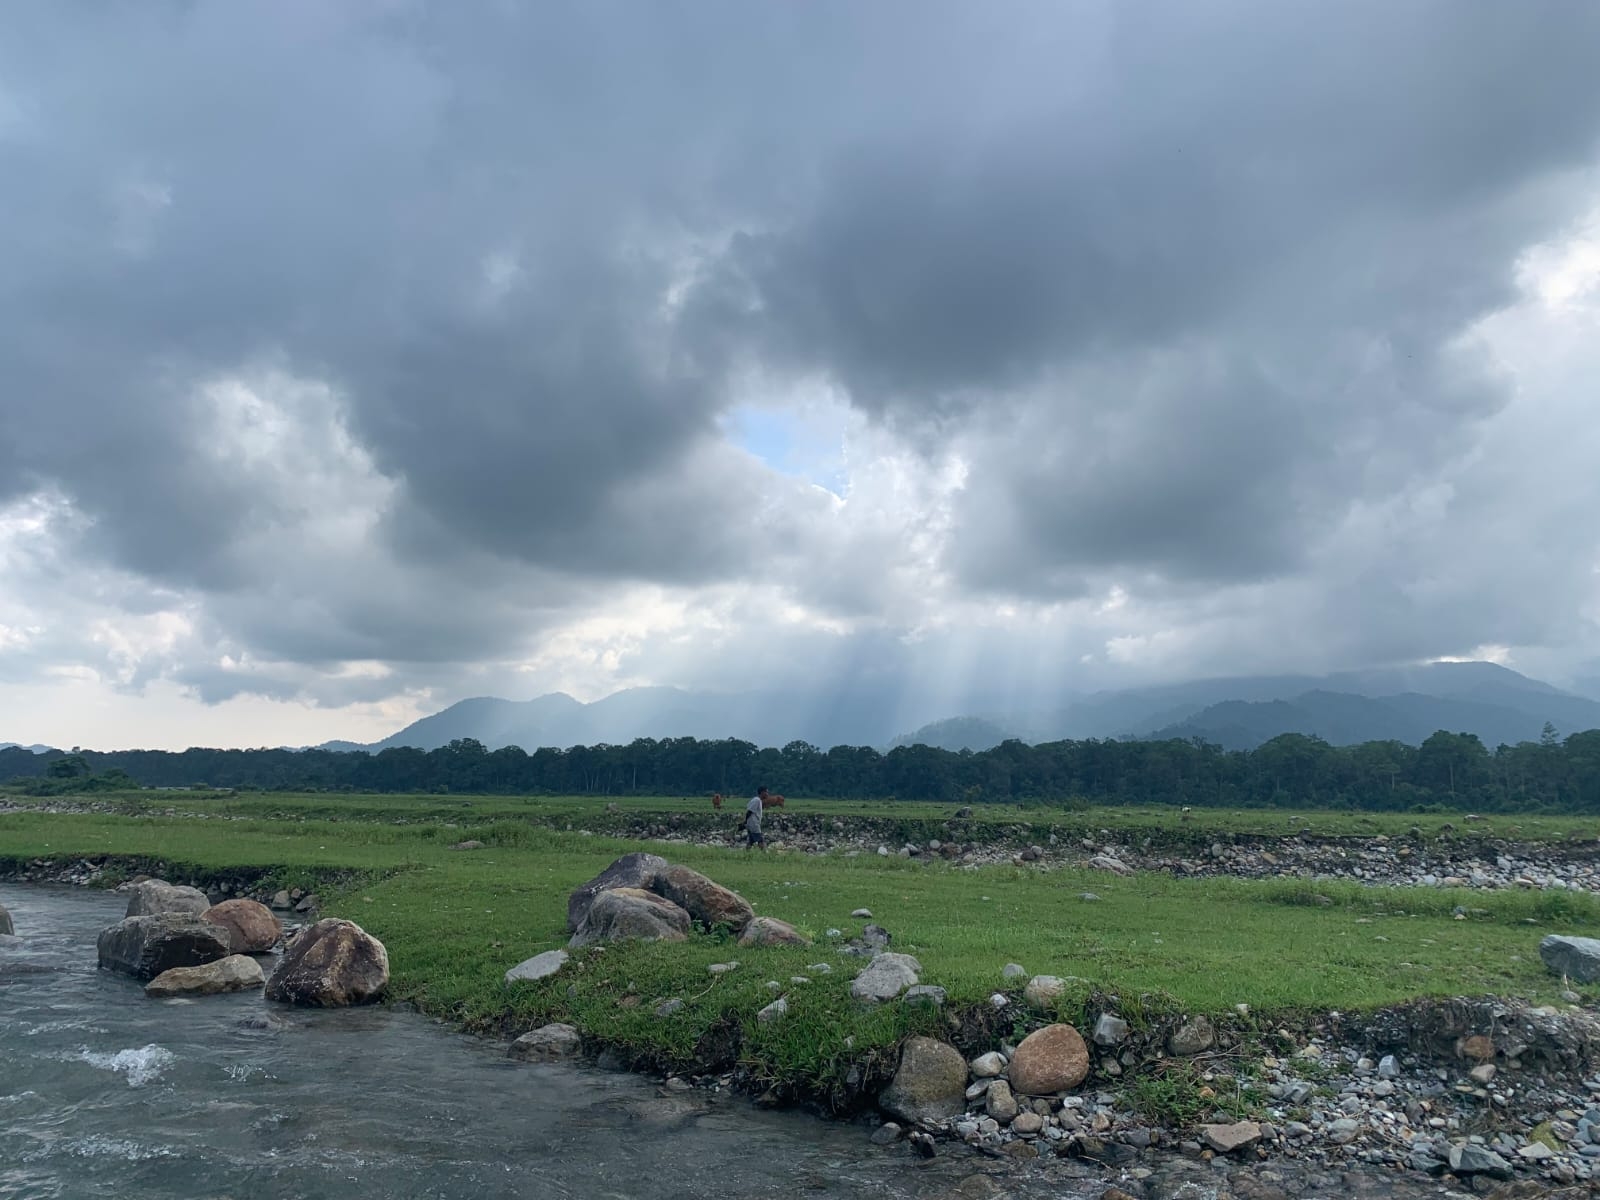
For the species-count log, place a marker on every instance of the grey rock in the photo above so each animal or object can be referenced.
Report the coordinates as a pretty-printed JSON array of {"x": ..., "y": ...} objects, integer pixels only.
[
  {"x": 999, "y": 1103},
  {"x": 547, "y": 1042},
  {"x": 1042, "y": 990},
  {"x": 1577, "y": 958},
  {"x": 930, "y": 1083},
  {"x": 863, "y": 914},
  {"x": 1194, "y": 1036},
  {"x": 538, "y": 967},
  {"x": 987, "y": 1066},
  {"x": 1013, "y": 971},
  {"x": 1388, "y": 1067},
  {"x": 1344, "y": 1130},
  {"x": 722, "y": 968},
  {"x": 667, "y": 1007},
  {"x": 1226, "y": 1138},
  {"x": 924, "y": 993},
  {"x": 1027, "y": 1123},
  {"x": 887, "y": 1134},
  {"x": 1105, "y": 862},
  {"x": 773, "y": 1011},
  {"x": 1110, "y": 1030},
  {"x": 154, "y": 896},
  {"x": 617, "y": 914},
  {"x": 146, "y": 946},
  {"x": 1470, "y": 1159},
  {"x": 6, "y": 927},
  {"x": 885, "y": 977},
  {"x": 630, "y": 871}
]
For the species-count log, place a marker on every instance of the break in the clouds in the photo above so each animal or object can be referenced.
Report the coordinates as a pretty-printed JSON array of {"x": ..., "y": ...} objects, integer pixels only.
[{"x": 368, "y": 356}]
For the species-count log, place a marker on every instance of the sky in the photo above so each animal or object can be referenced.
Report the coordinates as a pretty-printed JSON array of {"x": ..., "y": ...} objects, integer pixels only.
[{"x": 359, "y": 358}]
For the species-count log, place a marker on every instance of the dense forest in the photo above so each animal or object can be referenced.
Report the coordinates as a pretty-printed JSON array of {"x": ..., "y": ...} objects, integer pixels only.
[{"x": 1452, "y": 770}]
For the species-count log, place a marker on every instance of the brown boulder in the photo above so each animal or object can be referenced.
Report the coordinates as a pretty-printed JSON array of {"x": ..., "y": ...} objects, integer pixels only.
[
  {"x": 705, "y": 900},
  {"x": 1051, "y": 1059},
  {"x": 146, "y": 946},
  {"x": 769, "y": 931},
  {"x": 630, "y": 871},
  {"x": 331, "y": 964},
  {"x": 619, "y": 913},
  {"x": 235, "y": 973},
  {"x": 250, "y": 925}
]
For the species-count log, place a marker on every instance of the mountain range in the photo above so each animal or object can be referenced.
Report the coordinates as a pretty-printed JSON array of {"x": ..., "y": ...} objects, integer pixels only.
[{"x": 1401, "y": 703}]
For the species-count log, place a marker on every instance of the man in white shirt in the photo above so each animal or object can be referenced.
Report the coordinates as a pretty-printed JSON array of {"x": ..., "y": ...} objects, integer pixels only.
[{"x": 752, "y": 819}]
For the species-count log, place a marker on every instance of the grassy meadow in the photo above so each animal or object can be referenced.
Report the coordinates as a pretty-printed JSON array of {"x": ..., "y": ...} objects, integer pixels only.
[{"x": 454, "y": 921}]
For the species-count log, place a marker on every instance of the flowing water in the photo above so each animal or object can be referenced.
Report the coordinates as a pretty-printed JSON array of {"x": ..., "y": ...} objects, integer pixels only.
[{"x": 106, "y": 1093}]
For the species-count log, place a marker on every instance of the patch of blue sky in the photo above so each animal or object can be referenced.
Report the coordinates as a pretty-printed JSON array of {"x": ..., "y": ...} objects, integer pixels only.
[{"x": 807, "y": 443}]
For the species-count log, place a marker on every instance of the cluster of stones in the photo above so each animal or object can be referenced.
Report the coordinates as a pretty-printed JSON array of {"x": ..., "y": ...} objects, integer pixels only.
[
  {"x": 183, "y": 945},
  {"x": 643, "y": 896}
]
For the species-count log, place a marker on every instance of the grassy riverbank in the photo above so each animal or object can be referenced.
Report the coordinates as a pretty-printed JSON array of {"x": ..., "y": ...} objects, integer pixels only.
[{"x": 454, "y": 921}]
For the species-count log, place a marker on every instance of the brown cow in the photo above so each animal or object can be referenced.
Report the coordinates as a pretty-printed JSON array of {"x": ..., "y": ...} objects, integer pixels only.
[
  {"x": 774, "y": 800},
  {"x": 716, "y": 801}
]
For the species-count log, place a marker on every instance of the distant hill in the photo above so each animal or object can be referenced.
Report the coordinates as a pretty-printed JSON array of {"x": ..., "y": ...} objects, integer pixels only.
[
  {"x": 1403, "y": 703},
  {"x": 36, "y": 748},
  {"x": 956, "y": 733},
  {"x": 1344, "y": 719}
]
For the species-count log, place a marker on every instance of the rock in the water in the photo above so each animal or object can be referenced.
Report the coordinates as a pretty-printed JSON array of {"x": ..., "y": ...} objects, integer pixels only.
[
  {"x": 706, "y": 901},
  {"x": 331, "y": 964},
  {"x": 538, "y": 966},
  {"x": 158, "y": 896},
  {"x": 885, "y": 977},
  {"x": 1578, "y": 958},
  {"x": 251, "y": 927},
  {"x": 930, "y": 1084},
  {"x": 1051, "y": 1059},
  {"x": 6, "y": 927},
  {"x": 281, "y": 900},
  {"x": 629, "y": 871},
  {"x": 1194, "y": 1036},
  {"x": 1227, "y": 1138},
  {"x": 625, "y": 912},
  {"x": 548, "y": 1042},
  {"x": 236, "y": 973},
  {"x": 887, "y": 1134},
  {"x": 1042, "y": 990},
  {"x": 146, "y": 946},
  {"x": 769, "y": 931}
]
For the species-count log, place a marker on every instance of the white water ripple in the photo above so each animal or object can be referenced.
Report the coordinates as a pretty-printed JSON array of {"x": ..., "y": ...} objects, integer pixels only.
[{"x": 141, "y": 1066}]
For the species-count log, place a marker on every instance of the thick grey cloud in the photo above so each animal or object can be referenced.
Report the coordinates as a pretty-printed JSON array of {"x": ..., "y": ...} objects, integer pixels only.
[{"x": 404, "y": 334}]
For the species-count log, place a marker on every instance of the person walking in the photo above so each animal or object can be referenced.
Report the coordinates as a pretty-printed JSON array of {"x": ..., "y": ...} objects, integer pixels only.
[{"x": 752, "y": 819}]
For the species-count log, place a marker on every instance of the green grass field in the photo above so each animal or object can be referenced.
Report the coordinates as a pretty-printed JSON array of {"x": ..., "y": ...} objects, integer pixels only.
[{"x": 454, "y": 921}]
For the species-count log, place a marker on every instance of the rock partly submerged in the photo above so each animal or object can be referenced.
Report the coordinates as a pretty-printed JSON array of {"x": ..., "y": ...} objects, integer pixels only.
[
  {"x": 331, "y": 964},
  {"x": 930, "y": 1083},
  {"x": 6, "y": 927},
  {"x": 236, "y": 973},
  {"x": 146, "y": 946},
  {"x": 251, "y": 926},
  {"x": 152, "y": 896}
]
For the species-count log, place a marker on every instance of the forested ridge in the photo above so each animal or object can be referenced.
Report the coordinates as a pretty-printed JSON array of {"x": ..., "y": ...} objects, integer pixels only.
[{"x": 1293, "y": 770}]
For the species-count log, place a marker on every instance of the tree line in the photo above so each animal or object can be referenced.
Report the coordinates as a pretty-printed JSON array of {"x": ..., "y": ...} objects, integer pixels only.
[{"x": 1452, "y": 770}]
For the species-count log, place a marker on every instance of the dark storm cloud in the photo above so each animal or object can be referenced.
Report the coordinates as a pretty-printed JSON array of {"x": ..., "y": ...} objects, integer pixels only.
[{"x": 1179, "y": 284}]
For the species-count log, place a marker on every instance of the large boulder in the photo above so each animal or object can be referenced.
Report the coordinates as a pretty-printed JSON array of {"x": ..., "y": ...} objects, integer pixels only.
[
  {"x": 1578, "y": 958},
  {"x": 146, "y": 946},
  {"x": 153, "y": 896},
  {"x": 331, "y": 964},
  {"x": 769, "y": 931},
  {"x": 251, "y": 927},
  {"x": 629, "y": 871},
  {"x": 1048, "y": 1060},
  {"x": 707, "y": 902},
  {"x": 619, "y": 913},
  {"x": 6, "y": 927},
  {"x": 235, "y": 973},
  {"x": 930, "y": 1084},
  {"x": 885, "y": 977}
]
